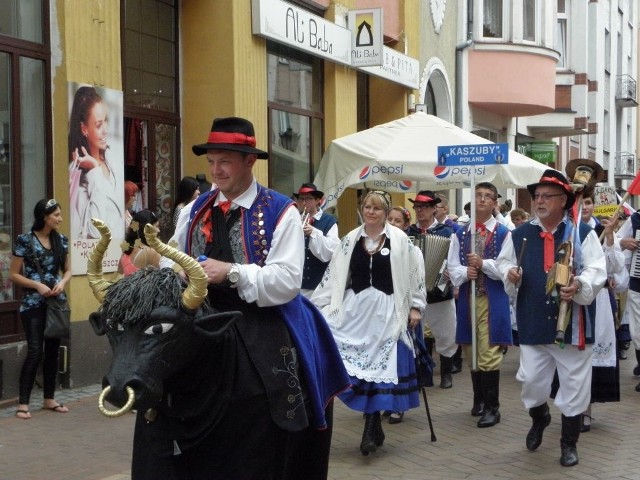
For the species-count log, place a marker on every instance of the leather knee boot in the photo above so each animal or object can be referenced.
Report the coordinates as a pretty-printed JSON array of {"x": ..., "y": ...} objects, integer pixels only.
[
  {"x": 446, "y": 380},
  {"x": 456, "y": 365},
  {"x": 491, "y": 393},
  {"x": 478, "y": 399},
  {"x": 570, "y": 435},
  {"x": 541, "y": 419},
  {"x": 372, "y": 436}
]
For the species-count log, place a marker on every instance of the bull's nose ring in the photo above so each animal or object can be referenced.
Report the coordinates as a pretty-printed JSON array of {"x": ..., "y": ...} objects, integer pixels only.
[{"x": 116, "y": 413}]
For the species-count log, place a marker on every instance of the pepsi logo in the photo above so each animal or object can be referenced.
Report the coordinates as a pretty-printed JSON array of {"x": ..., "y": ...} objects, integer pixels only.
[
  {"x": 364, "y": 173},
  {"x": 441, "y": 172},
  {"x": 405, "y": 185}
]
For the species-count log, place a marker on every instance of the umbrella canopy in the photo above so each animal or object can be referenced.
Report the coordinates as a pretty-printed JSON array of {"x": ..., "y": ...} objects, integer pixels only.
[{"x": 401, "y": 156}]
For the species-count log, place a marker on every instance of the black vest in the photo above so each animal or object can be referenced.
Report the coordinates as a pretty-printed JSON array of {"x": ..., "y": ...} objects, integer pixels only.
[{"x": 314, "y": 267}]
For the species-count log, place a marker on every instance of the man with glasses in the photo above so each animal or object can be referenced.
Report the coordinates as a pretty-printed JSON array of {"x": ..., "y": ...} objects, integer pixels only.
[
  {"x": 440, "y": 312},
  {"x": 320, "y": 236},
  {"x": 525, "y": 278},
  {"x": 492, "y": 302}
]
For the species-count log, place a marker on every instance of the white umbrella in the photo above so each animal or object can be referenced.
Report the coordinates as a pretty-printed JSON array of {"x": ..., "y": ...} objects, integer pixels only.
[{"x": 401, "y": 156}]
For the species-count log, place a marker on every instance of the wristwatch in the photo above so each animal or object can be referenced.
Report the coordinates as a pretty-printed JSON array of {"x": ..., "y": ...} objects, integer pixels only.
[{"x": 234, "y": 274}]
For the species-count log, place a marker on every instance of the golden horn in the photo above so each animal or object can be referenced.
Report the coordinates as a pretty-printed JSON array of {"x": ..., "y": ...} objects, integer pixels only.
[
  {"x": 196, "y": 290},
  {"x": 97, "y": 281}
]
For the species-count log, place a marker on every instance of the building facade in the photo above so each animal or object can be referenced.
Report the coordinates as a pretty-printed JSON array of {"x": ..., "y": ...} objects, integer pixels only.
[{"x": 164, "y": 70}]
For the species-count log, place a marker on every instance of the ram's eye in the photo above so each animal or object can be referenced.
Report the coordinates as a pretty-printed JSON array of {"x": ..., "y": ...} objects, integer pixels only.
[
  {"x": 158, "y": 328},
  {"x": 112, "y": 325}
]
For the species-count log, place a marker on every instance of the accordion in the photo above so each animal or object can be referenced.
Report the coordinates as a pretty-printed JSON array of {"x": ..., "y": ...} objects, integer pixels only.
[{"x": 435, "y": 249}]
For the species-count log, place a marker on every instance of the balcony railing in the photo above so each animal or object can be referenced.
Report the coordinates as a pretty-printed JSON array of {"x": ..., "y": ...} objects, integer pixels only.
[
  {"x": 626, "y": 92},
  {"x": 625, "y": 164}
]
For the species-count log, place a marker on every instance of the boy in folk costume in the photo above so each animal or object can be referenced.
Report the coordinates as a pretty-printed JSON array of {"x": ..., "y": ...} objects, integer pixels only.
[{"x": 493, "y": 321}]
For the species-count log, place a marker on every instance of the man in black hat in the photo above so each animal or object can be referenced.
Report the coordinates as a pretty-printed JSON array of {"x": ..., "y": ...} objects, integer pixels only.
[
  {"x": 440, "y": 312},
  {"x": 537, "y": 311},
  {"x": 249, "y": 241},
  {"x": 320, "y": 236}
]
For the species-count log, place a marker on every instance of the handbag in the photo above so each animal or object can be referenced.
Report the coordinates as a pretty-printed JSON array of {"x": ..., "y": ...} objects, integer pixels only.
[{"x": 58, "y": 317}]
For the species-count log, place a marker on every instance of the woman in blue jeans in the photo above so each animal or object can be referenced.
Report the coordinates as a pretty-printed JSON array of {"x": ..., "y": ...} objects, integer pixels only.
[{"x": 50, "y": 248}]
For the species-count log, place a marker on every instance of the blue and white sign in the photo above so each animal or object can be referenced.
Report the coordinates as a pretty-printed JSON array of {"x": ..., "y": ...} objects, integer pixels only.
[{"x": 471, "y": 155}]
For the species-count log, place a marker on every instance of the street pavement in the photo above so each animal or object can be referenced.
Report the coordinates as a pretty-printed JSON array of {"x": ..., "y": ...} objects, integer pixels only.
[{"x": 84, "y": 445}]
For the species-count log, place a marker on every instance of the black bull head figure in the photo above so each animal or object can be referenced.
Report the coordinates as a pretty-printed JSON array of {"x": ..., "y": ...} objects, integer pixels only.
[{"x": 155, "y": 326}]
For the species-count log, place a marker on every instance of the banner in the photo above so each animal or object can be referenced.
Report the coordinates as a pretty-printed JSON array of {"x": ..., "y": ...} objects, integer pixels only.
[{"x": 96, "y": 172}]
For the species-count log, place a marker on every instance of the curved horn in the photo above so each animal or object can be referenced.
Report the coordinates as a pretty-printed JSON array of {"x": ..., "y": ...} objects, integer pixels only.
[
  {"x": 97, "y": 281},
  {"x": 196, "y": 291}
]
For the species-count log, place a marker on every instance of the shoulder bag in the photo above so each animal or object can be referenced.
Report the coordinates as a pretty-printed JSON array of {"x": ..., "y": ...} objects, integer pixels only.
[{"x": 58, "y": 317}]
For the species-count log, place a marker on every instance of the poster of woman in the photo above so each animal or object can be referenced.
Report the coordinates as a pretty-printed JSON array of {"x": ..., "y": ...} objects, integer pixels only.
[{"x": 96, "y": 171}]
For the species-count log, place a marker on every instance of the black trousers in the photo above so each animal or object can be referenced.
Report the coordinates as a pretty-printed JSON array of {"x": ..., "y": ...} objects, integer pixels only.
[{"x": 38, "y": 349}]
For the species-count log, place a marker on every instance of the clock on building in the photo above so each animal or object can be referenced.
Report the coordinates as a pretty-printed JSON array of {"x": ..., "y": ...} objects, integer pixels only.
[{"x": 437, "y": 13}]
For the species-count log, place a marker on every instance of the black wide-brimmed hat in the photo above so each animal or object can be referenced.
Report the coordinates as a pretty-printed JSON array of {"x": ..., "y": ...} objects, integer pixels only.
[
  {"x": 310, "y": 189},
  {"x": 231, "y": 133},
  {"x": 554, "y": 177},
  {"x": 425, "y": 196}
]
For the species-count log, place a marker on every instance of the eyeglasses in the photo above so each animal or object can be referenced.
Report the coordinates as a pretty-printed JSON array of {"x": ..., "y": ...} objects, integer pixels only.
[
  {"x": 484, "y": 196},
  {"x": 51, "y": 203},
  {"x": 546, "y": 196},
  {"x": 424, "y": 205}
]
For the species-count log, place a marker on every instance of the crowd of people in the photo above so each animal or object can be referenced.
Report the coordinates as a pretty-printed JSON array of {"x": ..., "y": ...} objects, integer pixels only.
[{"x": 348, "y": 310}]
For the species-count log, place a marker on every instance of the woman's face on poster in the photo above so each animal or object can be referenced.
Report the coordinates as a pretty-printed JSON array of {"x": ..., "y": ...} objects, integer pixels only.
[{"x": 96, "y": 128}]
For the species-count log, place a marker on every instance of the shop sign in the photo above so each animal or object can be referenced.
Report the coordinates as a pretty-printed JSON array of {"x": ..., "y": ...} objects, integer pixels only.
[
  {"x": 543, "y": 152},
  {"x": 295, "y": 27},
  {"x": 397, "y": 67},
  {"x": 366, "y": 28}
]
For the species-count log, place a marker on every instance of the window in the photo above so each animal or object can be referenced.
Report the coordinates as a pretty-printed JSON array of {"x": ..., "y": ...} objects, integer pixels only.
[
  {"x": 529, "y": 21},
  {"x": 25, "y": 136},
  {"x": 22, "y": 19},
  {"x": 492, "y": 19},
  {"x": 152, "y": 122},
  {"x": 294, "y": 86}
]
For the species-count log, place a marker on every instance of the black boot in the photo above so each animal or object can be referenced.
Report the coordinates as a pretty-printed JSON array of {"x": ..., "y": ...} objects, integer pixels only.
[
  {"x": 491, "y": 393},
  {"x": 541, "y": 419},
  {"x": 570, "y": 434},
  {"x": 456, "y": 365},
  {"x": 478, "y": 400},
  {"x": 368, "y": 443},
  {"x": 429, "y": 343},
  {"x": 379, "y": 435},
  {"x": 446, "y": 381},
  {"x": 636, "y": 369}
]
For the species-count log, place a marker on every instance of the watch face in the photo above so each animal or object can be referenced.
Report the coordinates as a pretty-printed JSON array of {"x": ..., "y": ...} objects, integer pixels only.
[
  {"x": 437, "y": 13},
  {"x": 234, "y": 275}
]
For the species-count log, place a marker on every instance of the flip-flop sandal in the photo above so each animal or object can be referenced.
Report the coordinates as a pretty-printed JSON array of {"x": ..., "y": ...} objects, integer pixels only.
[
  {"x": 55, "y": 409},
  {"x": 26, "y": 414}
]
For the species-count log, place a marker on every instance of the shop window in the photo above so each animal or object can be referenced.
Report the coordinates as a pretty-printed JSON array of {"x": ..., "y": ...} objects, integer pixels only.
[
  {"x": 152, "y": 122},
  {"x": 25, "y": 138},
  {"x": 294, "y": 88}
]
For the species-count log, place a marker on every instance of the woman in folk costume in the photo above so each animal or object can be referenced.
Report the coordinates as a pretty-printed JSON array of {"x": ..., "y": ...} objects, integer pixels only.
[
  {"x": 371, "y": 293},
  {"x": 605, "y": 377}
]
